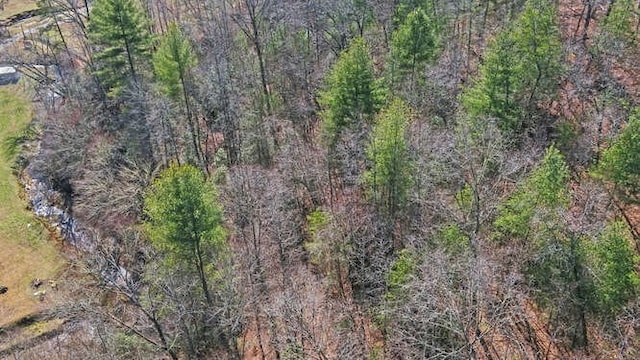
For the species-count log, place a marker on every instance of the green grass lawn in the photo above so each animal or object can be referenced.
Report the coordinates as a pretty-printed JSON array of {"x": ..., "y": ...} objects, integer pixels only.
[
  {"x": 26, "y": 248},
  {"x": 17, "y": 6}
]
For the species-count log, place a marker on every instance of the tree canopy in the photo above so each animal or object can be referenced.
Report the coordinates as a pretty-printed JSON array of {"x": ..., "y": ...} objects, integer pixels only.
[
  {"x": 389, "y": 177},
  {"x": 415, "y": 42},
  {"x": 281, "y": 178},
  {"x": 521, "y": 67},
  {"x": 620, "y": 163},
  {"x": 172, "y": 60},
  {"x": 352, "y": 94},
  {"x": 184, "y": 220},
  {"x": 118, "y": 30},
  {"x": 621, "y": 20},
  {"x": 544, "y": 190},
  {"x": 614, "y": 265}
]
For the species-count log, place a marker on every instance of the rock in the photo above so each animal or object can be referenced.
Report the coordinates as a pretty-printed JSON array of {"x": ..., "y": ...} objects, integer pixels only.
[
  {"x": 9, "y": 75},
  {"x": 3, "y": 289}
]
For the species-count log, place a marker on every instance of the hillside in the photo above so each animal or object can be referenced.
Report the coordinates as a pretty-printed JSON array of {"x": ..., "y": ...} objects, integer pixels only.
[{"x": 410, "y": 179}]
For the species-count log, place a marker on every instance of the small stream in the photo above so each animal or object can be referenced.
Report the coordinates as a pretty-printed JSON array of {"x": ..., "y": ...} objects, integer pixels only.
[{"x": 46, "y": 205}]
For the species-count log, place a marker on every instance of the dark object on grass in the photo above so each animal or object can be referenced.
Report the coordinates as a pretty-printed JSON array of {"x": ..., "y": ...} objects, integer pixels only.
[{"x": 36, "y": 283}]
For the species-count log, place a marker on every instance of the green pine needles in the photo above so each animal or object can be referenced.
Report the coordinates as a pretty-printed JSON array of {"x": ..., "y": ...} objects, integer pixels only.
[
  {"x": 172, "y": 61},
  {"x": 620, "y": 163},
  {"x": 614, "y": 264},
  {"x": 389, "y": 177},
  {"x": 543, "y": 193},
  {"x": 184, "y": 220},
  {"x": 352, "y": 94},
  {"x": 521, "y": 68},
  {"x": 415, "y": 42},
  {"x": 119, "y": 32}
]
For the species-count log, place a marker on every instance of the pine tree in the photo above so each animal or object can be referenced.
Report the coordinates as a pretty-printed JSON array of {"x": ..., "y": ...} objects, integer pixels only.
[
  {"x": 352, "y": 93},
  {"x": 171, "y": 62},
  {"x": 543, "y": 193},
  {"x": 415, "y": 42},
  {"x": 615, "y": 264},
  {"x": 184, "y": 221},
  {"x": 620, "y": 163},
  {"x": 558, "y": 273},
  {"x": 622, "y": 19},
  {"x": 521, "y": 68},
  {"x": 537, "y": 37},
  {"x": 121, "y": 40},
  {"x": 389, "y": 177},
  {"x": 555, "y": 265},
  {"x": 496, "y": 91},
  {"x": 405, "y": 7}
]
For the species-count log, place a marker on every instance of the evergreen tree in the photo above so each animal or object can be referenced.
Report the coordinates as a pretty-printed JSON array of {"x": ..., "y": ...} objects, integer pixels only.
[
  {"x": 622, "y": 19},
  {"x": 171, "y": 62},
  {"x": 496, "y": 91},
  {"x": 352, "y": 94},
  {"x": 119, "y": 32},
  {"x": 521, "y": 68},
  {"x": 400, "y": 274},
  {"x": 406, "y": 7},
  {"x": 537, "y": 37},
  {"x": 184, "y": 221},
  {"x": 415, "y": 42},
  {"x": 558, "y": 274},
  {"x": 555, "y": 260},
  {"x": 615, "y": 264},
  {"x": 543, "y": 194},
  {"x": 620, "y": 163},
  {"x": 390, "y": 175}
]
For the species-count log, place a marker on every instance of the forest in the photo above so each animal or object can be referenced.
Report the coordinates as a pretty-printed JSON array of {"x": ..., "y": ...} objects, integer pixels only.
[{"x": 340, "y": 179}]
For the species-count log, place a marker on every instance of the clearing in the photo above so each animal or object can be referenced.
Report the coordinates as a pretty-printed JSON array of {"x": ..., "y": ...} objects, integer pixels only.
[
  {"x": 26, "y": 249},
  {"x": 13, "y": 7}
]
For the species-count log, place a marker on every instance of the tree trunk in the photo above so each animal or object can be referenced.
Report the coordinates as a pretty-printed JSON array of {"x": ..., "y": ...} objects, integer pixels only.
[
  {"x": 203, "y": 277},
  {"x": 193, "y": 127}
]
